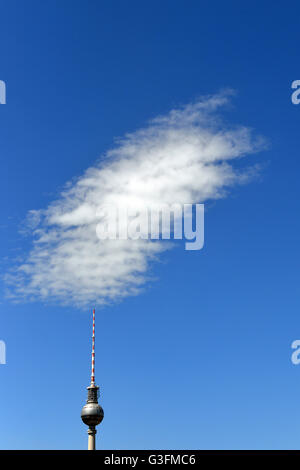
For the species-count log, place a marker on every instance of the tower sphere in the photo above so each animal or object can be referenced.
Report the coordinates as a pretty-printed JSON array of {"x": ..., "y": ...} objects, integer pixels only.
[{"x": 92, "y": 414}]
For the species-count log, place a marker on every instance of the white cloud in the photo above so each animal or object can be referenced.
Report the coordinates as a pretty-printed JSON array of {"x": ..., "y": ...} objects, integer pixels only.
[{"x": 186, "y": 156}]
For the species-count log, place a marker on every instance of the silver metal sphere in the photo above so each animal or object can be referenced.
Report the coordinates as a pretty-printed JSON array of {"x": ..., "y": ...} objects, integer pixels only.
[{"x": 92, "y": 414}]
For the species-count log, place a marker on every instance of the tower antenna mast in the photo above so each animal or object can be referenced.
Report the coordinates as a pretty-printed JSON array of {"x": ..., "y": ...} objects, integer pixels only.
[{"x": 93, "y": 352}]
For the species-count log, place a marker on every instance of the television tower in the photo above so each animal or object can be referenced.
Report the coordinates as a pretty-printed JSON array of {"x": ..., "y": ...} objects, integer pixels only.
[{"x": 92, "y": 413}]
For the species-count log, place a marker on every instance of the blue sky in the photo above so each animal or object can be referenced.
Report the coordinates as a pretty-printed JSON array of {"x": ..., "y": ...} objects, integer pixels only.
[{"x": 201, "y": 359}]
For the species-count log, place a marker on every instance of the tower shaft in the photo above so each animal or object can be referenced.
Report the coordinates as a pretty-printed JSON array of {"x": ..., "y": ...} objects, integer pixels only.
[{"x": 92, "y": 438}]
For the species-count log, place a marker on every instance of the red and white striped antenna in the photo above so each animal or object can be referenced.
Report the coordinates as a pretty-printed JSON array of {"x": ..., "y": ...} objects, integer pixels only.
[{"x": 93, "y": 352}]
